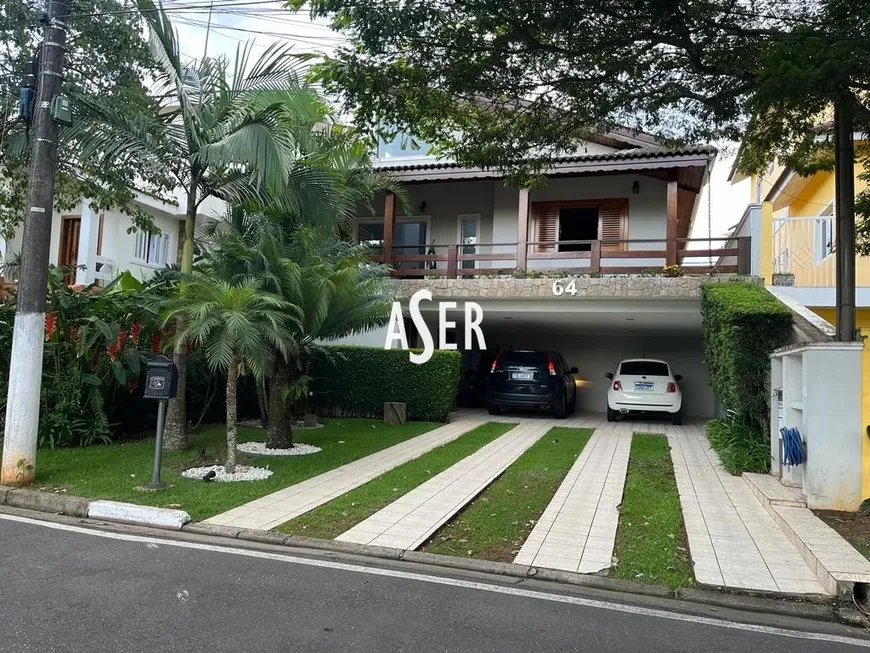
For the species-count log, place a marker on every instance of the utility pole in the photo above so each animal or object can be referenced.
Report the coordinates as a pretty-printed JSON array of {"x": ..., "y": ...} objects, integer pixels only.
[
  {"x": 25, "y": 372},
  {"x": 844, "y": 201}
]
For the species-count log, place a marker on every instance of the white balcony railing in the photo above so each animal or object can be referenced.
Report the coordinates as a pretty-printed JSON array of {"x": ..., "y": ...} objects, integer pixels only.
[{"x": 804, "y": 247}]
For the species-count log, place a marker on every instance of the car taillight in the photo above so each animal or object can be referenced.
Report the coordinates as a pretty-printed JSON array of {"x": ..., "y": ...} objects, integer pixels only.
[
  {"x": 495, "y": 362},
  {"x": 672, "y": 387},
  {"x": 551, "y": 367},
  {"x": 617, "y": 385}
]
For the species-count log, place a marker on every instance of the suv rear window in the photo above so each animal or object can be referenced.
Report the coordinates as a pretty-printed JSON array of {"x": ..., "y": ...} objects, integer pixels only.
[
  {"x": 525, "y": 358},
  {"x": 643, "y": 368}
]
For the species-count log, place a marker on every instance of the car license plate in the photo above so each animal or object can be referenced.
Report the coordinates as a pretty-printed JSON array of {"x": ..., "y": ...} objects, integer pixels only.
[
  {"x": 643, "y": 386},
  {"x": 521, "y": 376}
]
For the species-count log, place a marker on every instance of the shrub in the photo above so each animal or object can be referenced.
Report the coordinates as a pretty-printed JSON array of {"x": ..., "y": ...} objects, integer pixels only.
[
  {"x": 741, "y": 446},
  {"x": 743, "y": 324},
  {"x": 361, "y": 379}
]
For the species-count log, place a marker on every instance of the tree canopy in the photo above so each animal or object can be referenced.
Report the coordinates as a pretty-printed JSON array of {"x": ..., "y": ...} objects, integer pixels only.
[
  {"x": 106, "y": 57},
  {"x": 492, "y": 82}
]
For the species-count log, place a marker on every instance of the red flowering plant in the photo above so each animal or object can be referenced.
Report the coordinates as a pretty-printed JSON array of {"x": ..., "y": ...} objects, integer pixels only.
[{"x": 96, "y": 339}]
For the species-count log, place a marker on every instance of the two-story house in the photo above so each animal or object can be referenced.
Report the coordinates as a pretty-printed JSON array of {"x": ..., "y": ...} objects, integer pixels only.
[
  {"x": 573, "y": 265},
  {"x": 102, "y": 244}
]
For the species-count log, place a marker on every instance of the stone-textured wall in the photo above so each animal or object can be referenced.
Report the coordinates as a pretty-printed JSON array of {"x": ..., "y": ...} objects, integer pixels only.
[{"x": 614, "y": 287}]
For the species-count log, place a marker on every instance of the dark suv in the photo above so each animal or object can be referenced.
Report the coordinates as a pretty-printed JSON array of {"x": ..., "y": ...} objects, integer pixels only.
[{"x": 531, "y": 379}]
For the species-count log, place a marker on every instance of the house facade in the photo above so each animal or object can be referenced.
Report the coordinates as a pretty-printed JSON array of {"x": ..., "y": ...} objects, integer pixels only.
[
  {"x": 102, "y": 244},
  {"x": 790, "y": 220},
  {"x": 574, "y": 264}
]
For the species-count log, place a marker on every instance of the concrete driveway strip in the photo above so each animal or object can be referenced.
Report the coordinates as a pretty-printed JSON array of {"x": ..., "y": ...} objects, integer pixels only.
[
  {"x": 577, "y": 531},
  {"x": 733, "y": 541},
  {"x": 410, "y": 520},
  {"x": 70, "y": 591},
  {"x": 274, "y": 509}
]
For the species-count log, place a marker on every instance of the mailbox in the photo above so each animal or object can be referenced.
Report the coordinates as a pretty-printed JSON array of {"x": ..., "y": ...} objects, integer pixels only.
[{"x": 161, "y": 379}]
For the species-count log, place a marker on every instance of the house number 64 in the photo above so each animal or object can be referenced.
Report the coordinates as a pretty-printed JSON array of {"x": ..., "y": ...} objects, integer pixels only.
[{"x": 561, "y": 288}]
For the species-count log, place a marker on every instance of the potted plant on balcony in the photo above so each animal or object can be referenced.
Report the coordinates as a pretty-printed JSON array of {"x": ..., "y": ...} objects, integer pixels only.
[{"x": 783, "y": 278}]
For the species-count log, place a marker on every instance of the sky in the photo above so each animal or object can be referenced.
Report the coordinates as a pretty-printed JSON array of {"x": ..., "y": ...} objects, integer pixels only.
[{"x": 264, "y": 22}]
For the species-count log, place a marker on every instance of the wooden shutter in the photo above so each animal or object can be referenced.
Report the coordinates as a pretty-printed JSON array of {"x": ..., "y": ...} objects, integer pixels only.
[
  {"x": 612, "y": 224},
  {"x": 547, "y": 217}
]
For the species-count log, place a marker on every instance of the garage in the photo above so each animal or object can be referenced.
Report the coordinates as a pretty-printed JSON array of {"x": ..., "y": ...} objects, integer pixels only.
[{"x": 594, "y": 335}]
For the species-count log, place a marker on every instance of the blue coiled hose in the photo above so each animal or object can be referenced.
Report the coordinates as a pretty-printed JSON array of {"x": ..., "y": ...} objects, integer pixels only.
[{"x": 792, "y": 447}]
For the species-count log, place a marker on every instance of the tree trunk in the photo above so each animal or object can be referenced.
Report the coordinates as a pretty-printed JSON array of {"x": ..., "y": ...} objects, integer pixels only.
[
  {"x": 279, "y": 434},
  {"x": 261, "y": 402},
  {"x": 232, "y": 427},
  {"x": 175, "y": 436}
]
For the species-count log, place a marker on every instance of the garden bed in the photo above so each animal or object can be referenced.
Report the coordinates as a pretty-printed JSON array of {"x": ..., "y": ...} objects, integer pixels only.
[
  {"x": 113, "y": 471},
  {"x": 495, "y": 525}
]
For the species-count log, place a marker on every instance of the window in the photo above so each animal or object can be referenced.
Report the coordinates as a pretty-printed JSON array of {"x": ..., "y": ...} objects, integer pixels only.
[
  {"x": 400, "y": 145},
  {"x": 469, "y": 226},
  {"x": 151, "y": 249},
  {"x": 554, "y": 222},
  {"x": 409, "y": 238},
  {"x": 824, "y": 240},
  {"x": 643, "y": 368}
]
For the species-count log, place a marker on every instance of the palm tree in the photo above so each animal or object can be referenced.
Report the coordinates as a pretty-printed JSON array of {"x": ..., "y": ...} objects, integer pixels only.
[
  {"x": 238, "y": 327},
  {"x": 240, "y": 131},
  {"x": 337, "y": 290}
]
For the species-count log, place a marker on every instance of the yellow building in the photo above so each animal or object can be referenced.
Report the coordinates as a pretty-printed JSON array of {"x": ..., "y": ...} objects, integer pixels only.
[{"x": 796, "y": 242}]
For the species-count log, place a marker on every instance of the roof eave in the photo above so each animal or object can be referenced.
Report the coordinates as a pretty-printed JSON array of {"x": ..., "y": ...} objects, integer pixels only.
[{"x": 565, "y": 168}]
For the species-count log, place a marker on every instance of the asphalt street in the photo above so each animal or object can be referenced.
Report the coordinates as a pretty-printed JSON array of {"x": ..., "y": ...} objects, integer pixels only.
[{"x": 70, "y": 591}]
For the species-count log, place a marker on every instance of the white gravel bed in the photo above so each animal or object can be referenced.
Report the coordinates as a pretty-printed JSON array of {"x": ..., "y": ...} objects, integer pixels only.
[
  {"x": 259, "y": 448},
  {"x": 242, "y": 473}
]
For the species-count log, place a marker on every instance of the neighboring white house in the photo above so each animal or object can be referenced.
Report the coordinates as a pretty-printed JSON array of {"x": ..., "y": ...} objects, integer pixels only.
[{"x": 102, "y": 245}]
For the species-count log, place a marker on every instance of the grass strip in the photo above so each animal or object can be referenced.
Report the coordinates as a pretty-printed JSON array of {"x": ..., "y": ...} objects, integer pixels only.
[
  {"x": 112, "y": 471},
  {"x": 651, "y": 543},
  {"x": 495, "y": 525},
  {"x": 332, "y": 519}
]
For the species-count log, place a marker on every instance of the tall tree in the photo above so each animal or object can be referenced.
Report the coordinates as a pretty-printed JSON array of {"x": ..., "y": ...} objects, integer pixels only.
[
  {"x": 238, "y": 326},
  {"x": 236, "y": 130},
  {"x": 493, "y": 82},
  {"x": 106, "y": 56}
]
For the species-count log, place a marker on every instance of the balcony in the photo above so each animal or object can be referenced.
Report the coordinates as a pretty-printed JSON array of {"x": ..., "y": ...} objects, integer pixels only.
[{"x": 731, "y": 255}]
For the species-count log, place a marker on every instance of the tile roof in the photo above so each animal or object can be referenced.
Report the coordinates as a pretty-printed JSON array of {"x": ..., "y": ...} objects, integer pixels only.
[{"x": 429, "y": 163}]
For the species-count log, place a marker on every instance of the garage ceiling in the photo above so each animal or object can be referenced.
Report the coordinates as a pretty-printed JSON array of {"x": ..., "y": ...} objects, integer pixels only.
[{"x": 585, "y": 317}]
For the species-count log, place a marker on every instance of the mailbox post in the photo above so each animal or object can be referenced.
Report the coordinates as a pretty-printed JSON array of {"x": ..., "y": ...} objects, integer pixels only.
[{"x": 161, "y": 383}]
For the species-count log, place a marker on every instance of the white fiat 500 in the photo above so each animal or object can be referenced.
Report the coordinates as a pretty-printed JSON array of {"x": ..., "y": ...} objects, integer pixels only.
[{"x": 644, "y": 385}]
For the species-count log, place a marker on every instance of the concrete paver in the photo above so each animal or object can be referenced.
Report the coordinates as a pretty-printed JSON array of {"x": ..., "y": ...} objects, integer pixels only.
[
  {"x": 409, "y": 521},
  {"x": 733, "y": 541},
  {"x": 578, "y": 528},
  {"x": 274, "y": 509}
]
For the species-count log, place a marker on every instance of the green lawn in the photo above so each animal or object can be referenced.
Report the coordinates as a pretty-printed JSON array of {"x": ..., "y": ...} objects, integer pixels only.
[
  {"x": 334, "y": 518},
  {"x": 651, "y": 541},
  {"x": 113, "y": 471},
  {"x": 495, "y": 525}
]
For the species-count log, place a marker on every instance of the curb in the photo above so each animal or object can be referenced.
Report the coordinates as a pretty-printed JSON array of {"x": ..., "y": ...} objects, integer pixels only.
[
  {"x": 62, "y": 504},
  {"x": 58, "y": 504},
  {"x": 810, "y": 608},
  {"x": 807, "y": 608},
  {"x": 131, "y": 513}
]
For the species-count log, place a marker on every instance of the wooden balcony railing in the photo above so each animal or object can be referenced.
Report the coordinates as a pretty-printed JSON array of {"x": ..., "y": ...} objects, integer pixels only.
[{"x": 633, "y": 256}]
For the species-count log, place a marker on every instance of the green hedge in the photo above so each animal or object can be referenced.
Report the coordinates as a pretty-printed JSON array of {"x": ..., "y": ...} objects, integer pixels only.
[
  {"x": 743, "y": 324},
  {"x": 360, "y": 379}
]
